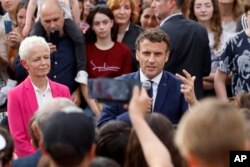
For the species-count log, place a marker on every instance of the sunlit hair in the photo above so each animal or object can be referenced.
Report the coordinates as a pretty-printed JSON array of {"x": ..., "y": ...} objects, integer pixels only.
[
  {"x": 210, "y": 131},
  {"x": 215, "y": 22},
  {"x": 114, "y": 4},
  {"x": 29, "y": 43}
]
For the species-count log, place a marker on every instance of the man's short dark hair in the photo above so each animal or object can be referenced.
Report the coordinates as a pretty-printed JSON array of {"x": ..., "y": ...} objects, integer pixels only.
[
  {"x": 112, "y": 139},
  {"x": 68, "y": 137},
  {"x": 153, "y": 35}
]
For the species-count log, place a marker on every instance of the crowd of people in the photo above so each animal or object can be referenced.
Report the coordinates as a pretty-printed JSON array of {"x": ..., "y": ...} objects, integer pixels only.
[{"x": 186, "y": 63}]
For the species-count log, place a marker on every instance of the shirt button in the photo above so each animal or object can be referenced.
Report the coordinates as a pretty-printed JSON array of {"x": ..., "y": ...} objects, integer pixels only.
[
  {"x": 55, "y": 76},
  {"x": 56, "y": 62}
]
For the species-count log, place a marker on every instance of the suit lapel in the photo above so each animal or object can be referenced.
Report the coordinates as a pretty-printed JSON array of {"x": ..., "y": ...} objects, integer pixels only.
[
  {"x": 54, "y": 89},
  {"x": 30, "y": 94},
  {"x": 161, "y": 93}
]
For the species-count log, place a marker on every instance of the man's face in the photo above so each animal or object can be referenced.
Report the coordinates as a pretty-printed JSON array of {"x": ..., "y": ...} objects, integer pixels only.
[
  {"x": 52, "y": 19},
  {"x": 10, "y": 5},
  {"x": 162, "y": 8},
  {"x": 38, "y": 62},
  {"x": 152, "y": 57}
]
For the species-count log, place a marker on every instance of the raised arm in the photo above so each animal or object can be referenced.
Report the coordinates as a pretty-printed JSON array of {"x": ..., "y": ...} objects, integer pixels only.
[
  {"x": 29, "y": 15},
  {"x": 155, "y": 153},
  {"x": 220, "y": 84},
  {"x": 75, "y": 11}
]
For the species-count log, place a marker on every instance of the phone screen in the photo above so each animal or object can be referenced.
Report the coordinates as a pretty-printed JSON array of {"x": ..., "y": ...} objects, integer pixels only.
[
  {"x": 54, "y": 37},
  {"x": 8, "y": 26},
  {"x": 110, "y": 90}
]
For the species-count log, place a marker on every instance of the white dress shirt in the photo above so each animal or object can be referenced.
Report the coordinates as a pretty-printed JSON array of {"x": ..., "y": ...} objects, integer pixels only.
[
  {"x": 42, "y": 96},
  {"x": 156, "y": 82}
]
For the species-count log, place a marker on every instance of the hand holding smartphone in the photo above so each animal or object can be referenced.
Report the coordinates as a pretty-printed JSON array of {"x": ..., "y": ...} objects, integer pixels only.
[
  {"x": 54, "y": 36},
  {"x": 111, "y": 90},
  {"x": 7, "y": 26}
]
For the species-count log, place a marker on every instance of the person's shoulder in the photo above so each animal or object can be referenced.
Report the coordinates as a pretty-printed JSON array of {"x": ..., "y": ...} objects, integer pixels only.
[
  {"x": 169, "y": 76},
  {"x": 127, "y": 76},
  {"x": 136, "y": 27},
  {"x": 54, "y": 84},
  {"x": 121, "y": 46}
]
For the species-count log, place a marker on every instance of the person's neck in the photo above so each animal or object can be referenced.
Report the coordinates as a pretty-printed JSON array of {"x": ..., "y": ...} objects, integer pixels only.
[
  {"x": 226, "y": 12},
  {"x": 104, "y": 44},
  {"x": 248, "y": 32},
  {"x": 207, "y": 25},
  {"x": 122, "y": 28},
  {"x": 12, "y": 15},
  {"x": 40, "y": 82}
]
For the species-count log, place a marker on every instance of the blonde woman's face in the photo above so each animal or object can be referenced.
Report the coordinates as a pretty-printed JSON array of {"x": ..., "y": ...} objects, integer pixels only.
[{"x": 123, "y": 13}]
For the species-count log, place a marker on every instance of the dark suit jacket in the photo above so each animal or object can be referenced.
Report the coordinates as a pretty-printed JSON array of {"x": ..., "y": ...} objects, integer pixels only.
[
  {"x": 29, "y": 161},
  {"x": 169, "y": 101},
  {"x": 129, "y": 38},
  {"x": 189, "y": 49}
]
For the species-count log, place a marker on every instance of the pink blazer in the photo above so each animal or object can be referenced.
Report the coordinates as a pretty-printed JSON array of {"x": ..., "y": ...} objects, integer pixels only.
[{"x": 22, "y": 104}]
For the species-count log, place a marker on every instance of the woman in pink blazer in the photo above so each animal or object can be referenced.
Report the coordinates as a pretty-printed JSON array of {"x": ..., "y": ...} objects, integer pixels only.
[{"x": 34, "y": 91}]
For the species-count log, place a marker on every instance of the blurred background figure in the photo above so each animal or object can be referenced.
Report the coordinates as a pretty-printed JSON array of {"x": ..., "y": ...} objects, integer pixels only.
[
  {"x": 210, "y": 147},
  {"x": 85, "y": 7},
  {"x": 230, "y": 11},
  {"x": 147, "y": 16},
  {"x": 163, "y": 129},
  {"x": 103, "y": 162},
  {"x": 207, "y": 13},
  {"x": 6, "y": 148},
  {"x": 125, "y": 15},
  {"x": 111, "y": 141}
]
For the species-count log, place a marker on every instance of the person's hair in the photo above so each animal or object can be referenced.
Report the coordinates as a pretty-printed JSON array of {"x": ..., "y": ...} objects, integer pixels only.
[
  {"x": 237, "y": 8},
  {"x": 29, "y": 43},
  {"x": 35, "y": 140},
  {"x": 210, "y": 131},
  {"x": 103, "y": 162},
  {"x": 215, "y": 22},
  {"x": 163, "y": 129},
  {"x": 103, "y": 9},
  {"x": 153, "y": 35},
  {"x": 246, "y": 5},
  {"x": 68, "y": 138},
  {"x": 44, "y": 112},
  {"x": 246, "y": 115},
  {"x": 111, "y": 141},
  {"x": 180, "y": 3},
  {"x": 243, "y": 100},
  {"x": 185, "y": 8},
  {"x": 144, "y": 6},
  {"x": 20, "y": 6},
  {"x": 7, "y": 147},
  {"x": 114, "y": 4}
]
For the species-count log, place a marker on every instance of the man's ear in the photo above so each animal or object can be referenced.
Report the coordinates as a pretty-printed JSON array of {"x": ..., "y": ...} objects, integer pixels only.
[
  {"x": 24, "y": 64},
  {"x": 167, "y": 56}
]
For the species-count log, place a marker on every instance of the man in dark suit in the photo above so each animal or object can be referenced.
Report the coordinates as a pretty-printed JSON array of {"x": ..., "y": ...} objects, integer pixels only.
[
  {"x": 152, "y": 52},
  {"x": 189, "y": 42}
]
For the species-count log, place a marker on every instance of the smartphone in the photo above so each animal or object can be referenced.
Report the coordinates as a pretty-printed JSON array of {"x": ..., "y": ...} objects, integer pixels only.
[
  {"x": 54, "y": 36},
  {"x": 8, "y": 26},
  {"x": 109, "y": 90}
]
